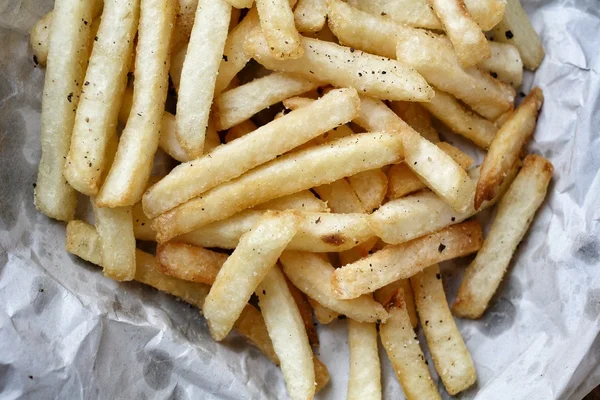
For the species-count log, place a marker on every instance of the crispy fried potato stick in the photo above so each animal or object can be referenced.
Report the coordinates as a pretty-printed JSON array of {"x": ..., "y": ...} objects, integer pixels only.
[
  {"x": 189, "y": 263},
  {"x": 310, "y": 15},
  {"x": 323, "y": 315},
  {"x": 385, "y": 294},
  {"x": 364, "y": 379},
  {"x": 306, "y": 312},
  {"x": 277, "y": 23}
]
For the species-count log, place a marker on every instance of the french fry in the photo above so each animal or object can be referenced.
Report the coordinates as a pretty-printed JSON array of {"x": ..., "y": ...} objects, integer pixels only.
[
  {"x": 402, "y": 181},
  {"x": 321, "y": 374},
  {"x": 385, "y": 294},
  {"x": 345, "y": 67},
  {"x": 142, "y": 225},
  {"x": 430, "y": 54},
  {"x": 323, "y": 314},
  {"x": 505, "y": 63},
  {"x": 364, "y": 379},
  {"x": 403, "y": 350},
  {"x": 66, "y": 64},
  {"x": 277, "y": 23},
  {"x": 280, "y": 177},
  {"x": 267, "y": 142},
  {"x": 198, "y": 76},
  {"x": 461, "y": 120},
  {"x": 189, "y": 263},
  {"x": 438, "y": 171},
  {"x": 83, "y": 241},
  {"x": 241, "y": 3},
  {"x": 310, "y": 15},
  {"x": 39, "y": 38},
  {"x": 311, "y": 274},
  {"x": 286, "y": 330},
  {"x": 115, "y": 228},
  {"x": 241, "y": 129},
  {"x": 515, "y": 28},
  {"x": 402, "y": 261},
  {"x": 469, "y": 43},
  {"x": 251, "y": 325},
  {"x": 176, "y": 64},
  {"x": 185, "y": 12},
  {"x": 241, "y": 273},
  {"x": 105, "y": 82},
  {"x": 515, "y": 213},
  {"x": 462, "y": 159},
  {"x": 487, "y": 13},
  {"x": 448, "y": 350},
  {"x": 507, "y": 145},
  {"x": 417, "y": 116},
  {"x": 138, "y": 143},
  {"x": 407, "y": 12},
  {"x": 357, "y": 252},
  {"x": 305, "y": 312},
  {"x": 237, "y": 105},
  {"x": 340, "y": 197},
  {"x": 303, "y": 201},
  {"x": 370, "y": 187}
]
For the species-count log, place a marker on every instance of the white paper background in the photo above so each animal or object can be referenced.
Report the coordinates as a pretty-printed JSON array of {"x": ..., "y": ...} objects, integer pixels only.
[{"x": 68, "y": 332}]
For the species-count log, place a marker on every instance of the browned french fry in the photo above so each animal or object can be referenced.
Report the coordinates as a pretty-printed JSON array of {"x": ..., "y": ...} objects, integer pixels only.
[
  {"x": 403, "y": 349},
  {"x": 340, "y": 197},
  {"x": 515, "y": 213},
  {"x": 507, "y": 145},
  {"x": 311, "y": 274},
  {"x": 385, "y": 294},
  {"x": 285, "y": 175},
  {"x": 404, "y": 260},
  {"x": 448, "y": 350},
  {"x": 241, "y": 129},
  {"x": 277, "y": 23},
  {"x": 370, "y": 187},
  {"x": 189, "y": 263},
  {"x": 323, "y": 314},
  {"x": 310, "y": 15},
  {"x": 415, "y": 115},
  {"x": 364, "y": 380},
  {"x": 305, "y": 312}
]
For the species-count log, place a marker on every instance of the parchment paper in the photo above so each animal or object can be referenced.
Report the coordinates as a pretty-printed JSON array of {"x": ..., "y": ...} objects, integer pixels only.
[{"x": 68, "y": 332}]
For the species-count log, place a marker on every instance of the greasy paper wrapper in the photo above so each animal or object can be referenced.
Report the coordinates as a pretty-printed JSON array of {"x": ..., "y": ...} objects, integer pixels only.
[{"x": 66, "y": 331}]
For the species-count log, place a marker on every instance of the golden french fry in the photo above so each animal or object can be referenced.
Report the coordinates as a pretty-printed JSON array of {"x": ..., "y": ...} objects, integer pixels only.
[
  {"x": 67, "y": 61},
  {"x": 402, "y": 261},
  {"x": 189, "y": 263},
  {"x": 417, "y": 116},
  {"x": 407, "y": 12},
  {"x": 364, "y": 379},
  {"x": 198, "y": 76},
  {"x": 345, "y": 67},
  {"x": 288, "y": 335},
  {"x": 515, "y": 213},
  {"x": 39, "y": 38},
  {"x": 515, "y": 28},
  {"x": 242, "y": 272},
  {"x": 469, "y": 43},
  {"x": 370, "y": 187},
  {"x": 322, "y": 314},
  {"x": 280, "y": 177},
  {"x": 142, "y": 225},
  {"x": 237, "y": 105},
  {"x": 304, "y": 200},
  {"x": 461, "y": 120},
  {"x": 277, "y": 23},
  {"x": 138, "y": 143},
  {"x": 305, "y": 312},
  {"x": 340, "y": 197},
  {"x": 251, "y": 325},
  {"x": 266, "y": 143},
  {"x": 487, "y": 13},
  {"x": 505, "y": 63},
  {"x": 448, "y": 350},
  {"x": 403, "y": 349},
  {"x": 432, "y": 55},
  {"x": 105, "y": 82},
  {"x": 321, "y": 374},
  {"x": 311, "y": 274},
  {"x": 402, "y": 181},
  {"x": 507, "y": 145},
  {"x": 241, "y": 129},
  {"x": 310, "y": 15},
  {"x": 358, "y": 252},
  {"x": 462, "y": 159},
  {"x": 385, "y": 294}
]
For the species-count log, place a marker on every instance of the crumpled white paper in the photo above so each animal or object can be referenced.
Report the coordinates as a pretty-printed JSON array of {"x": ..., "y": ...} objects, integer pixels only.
[{"x": 68, "y": 332}]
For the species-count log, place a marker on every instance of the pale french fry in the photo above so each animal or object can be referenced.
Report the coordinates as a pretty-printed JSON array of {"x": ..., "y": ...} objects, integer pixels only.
[
  {"x": 241, "y": 273},
  {"x": 323, "y": 314},
  {"x": 515, "y": 28},
  {"x": 515, "y": 213},
  {"x": 343, "y": 66},
  {"x": 417, "y": 116},
  {"x": 241, "y": 129},
  {"x": 469, "y": 43},
  {"x": 507, "y": 145},
  {"x": 364, "y": 379},
  {"x": 462, "y": 159},
  {"x": 83, "y": 241},
  {"x": 138, "y": 142},
  {"x": 402, "y": 261},
  {"x": 39, "y": 38},
  {"x": 280, "y": 177},
  {"x": 309, "y": 15},
  {"x": 68, "y": 52},
  {"x": 189, "y": 263},
  {"x": 438, "y": 171},
  {"x": 370, "y": 187},
  {"x": 461, "y": 120},
  {"x": 311, "y": 274},
  {"x": 403, "y": 349},
  {"x": 505, "y": 63},
  {"x": 105, "y": 82},
  {"x": 306, "y": 313},
  {"x": 431, "y": 54},
  {"x": 324, "y": 34},
  {"x": 303, "y": 201},
  {"x": 198, "y": 76},
  {"x": 385, "y": 294},
  {"x": 448, "y": 350},
  {"x": 176, "y": 64},
  {"x": 409, "y": 12},
  {"x": 237, "y": 105},
  {"x": 358, "y": 252},
  {"x": 267, "y": 142},
  {"x": 487, "y": 13},
  {"x": 340, "y": 197},
  {"x": 277, "y": 23},
  {"x": 374, "y": 115},
  {"x": 286, "y": 330},
  {"x": 115, "y": 228},
  {"x": 251, "y": 325}
]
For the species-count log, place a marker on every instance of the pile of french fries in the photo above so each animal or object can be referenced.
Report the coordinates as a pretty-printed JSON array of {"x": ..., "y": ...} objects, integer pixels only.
[{"x": 342, "y": 204}]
